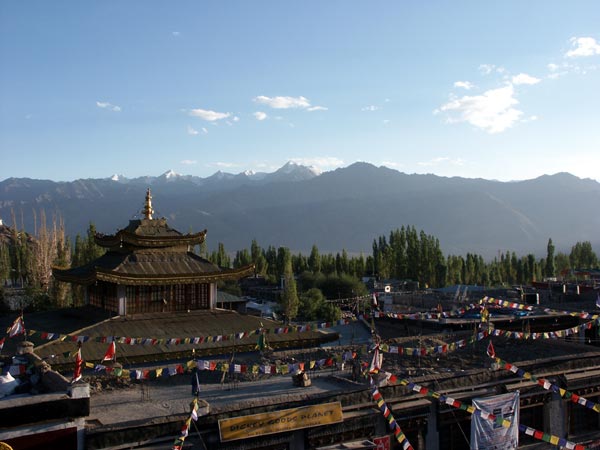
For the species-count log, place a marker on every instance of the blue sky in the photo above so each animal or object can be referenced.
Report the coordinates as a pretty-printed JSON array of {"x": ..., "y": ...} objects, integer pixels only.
[{"x": 499, "y": 90}]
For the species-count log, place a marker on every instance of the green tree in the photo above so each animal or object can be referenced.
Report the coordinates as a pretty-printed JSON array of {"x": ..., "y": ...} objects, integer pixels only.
[
  {"x": 5, "y": 266},
  {"x": 220, "y": 256},
  {"x": 271, "y": 257},
  {"x": 582, "y": 256},
  {"x": 310, "y": 303},
  {"x": 242, "y": 258},
  {"x": 550, "y": 270},
  {"x": 329, "y": 312},
  {"x": 342, "y": 286},
  {"x": 289, "y": 297},
  {"x": 308, "y": 280},
  {"x": 562, "y": 261},
  {"x": 92, "y": 251},
  {"x": 314, "y": 260},
  {"x": 258, "y": 258}
]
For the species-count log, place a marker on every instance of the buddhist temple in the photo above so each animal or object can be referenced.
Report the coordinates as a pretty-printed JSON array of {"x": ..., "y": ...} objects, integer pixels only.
[{"x": 150, "y": 267}]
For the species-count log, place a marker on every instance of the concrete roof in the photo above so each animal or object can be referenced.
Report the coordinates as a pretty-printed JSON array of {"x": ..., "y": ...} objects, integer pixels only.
[{"x": 95, "y": 323}]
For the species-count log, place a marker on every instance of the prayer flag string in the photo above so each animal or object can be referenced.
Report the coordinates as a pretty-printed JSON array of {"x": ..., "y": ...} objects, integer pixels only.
[
  {"x": 549, "y": 386},
  {"x": 498, "y": 420},
  {"x": 387, "y": 414}
]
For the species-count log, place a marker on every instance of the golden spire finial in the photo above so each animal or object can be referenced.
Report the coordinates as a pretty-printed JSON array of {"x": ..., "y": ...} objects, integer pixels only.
[{"x": 148, "y": 211}]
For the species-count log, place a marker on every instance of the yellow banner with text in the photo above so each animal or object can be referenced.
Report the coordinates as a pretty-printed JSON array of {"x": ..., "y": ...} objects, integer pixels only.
[{"x": 279, "y": 421}]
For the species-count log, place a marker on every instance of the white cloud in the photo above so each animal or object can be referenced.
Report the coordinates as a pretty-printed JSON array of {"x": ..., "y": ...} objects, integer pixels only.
[
  {"x": 193, "y": 132},
  {"x": 188, "y": 162},
  {"x": 523, "y": 78},
  {"x": 109, "y": 106},
  {"x": 208, "y": 115},
  {"x": 583, "y": 46},
  {"x": 176, "y": 33},
  {"x": 320, "y": 162},
  {"x": 236, "y": 119},
  {"x": 386, "y": 121},
  {"x": 222, "y": 165},
  {"x": 263, "y": 166},
  {"x": 370, "y": 108},
  {"x": 283, "y": 102},
  {"x": 442, "y": 160},
  {"x": 559, "y": 70},
  {"x": 486, "y": 69},
  {"x": 492, "y": 111},
  {"x": 463, "y": 84},
  {"x": 317, "y": 108},
  {"x": 259, "y": 115}
]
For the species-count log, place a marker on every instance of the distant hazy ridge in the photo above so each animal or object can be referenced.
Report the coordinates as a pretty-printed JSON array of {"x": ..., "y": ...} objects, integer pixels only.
[{"x": 345, "y": 208}]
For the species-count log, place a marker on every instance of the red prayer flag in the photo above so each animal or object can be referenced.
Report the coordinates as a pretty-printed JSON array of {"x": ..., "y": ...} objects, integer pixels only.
[
  {"x": 78, "y": 366},
  {"x": 490, "y": 350},
  {"x": 111, "y": 352}
]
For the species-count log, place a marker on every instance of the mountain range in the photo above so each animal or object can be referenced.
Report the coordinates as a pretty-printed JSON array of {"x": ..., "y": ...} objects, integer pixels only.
[{"x": 297, "y": 206}]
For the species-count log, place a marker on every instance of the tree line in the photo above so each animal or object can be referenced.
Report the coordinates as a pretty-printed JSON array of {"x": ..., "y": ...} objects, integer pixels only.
[{"x": 309, "y": 279}]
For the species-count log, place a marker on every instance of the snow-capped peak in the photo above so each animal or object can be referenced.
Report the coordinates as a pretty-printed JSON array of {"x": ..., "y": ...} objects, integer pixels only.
[
  {"x": 292, "y": 166},
  {"x": 289, "y": 167},
  {"x": 315, "y": 170},
  {"x": 119, "y": 178},
  {"x": 170, "y": 174}
]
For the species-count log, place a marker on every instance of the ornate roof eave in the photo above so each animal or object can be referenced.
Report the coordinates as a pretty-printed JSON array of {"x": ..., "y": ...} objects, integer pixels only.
[
  {"x": 127, "y": 237},
  {"x": 145, "y": 280}
]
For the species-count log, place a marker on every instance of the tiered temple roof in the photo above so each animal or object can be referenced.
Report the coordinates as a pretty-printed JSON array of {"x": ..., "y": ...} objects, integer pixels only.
[{"x": 149, "y": 252}]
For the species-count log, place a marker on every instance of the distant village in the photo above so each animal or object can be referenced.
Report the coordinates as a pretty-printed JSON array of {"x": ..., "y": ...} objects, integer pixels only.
[{"x": 145, "y": 339}]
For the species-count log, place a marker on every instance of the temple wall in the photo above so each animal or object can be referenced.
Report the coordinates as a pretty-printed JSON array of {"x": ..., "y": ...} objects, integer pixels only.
[{"x": 146, "y": 299}]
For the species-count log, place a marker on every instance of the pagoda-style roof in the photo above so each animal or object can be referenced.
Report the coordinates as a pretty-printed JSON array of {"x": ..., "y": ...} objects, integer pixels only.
[
  {"x": 149, "y": 252},
  {"x": 149, "y": 233},
  {"x": 150, "y": 267}
]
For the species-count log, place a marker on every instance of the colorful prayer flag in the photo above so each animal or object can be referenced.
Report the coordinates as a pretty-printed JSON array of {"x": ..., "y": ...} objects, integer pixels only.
[
  {"x": 18, "y": 327},
  {"x": 485, "y": 315},
  {"x": 377, "y": 361}
]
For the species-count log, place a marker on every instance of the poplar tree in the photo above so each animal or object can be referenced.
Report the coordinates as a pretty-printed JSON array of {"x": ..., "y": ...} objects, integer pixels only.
[
  {"x": 550, "y": 268},
  {"x": 314, "y": 260},
  {"x": 289, "y": 297}
]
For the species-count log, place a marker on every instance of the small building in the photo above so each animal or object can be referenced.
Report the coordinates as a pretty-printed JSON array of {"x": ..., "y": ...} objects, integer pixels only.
[
  {"x": 149, "y": 267},
  {"x": 231, "y": 302}
]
